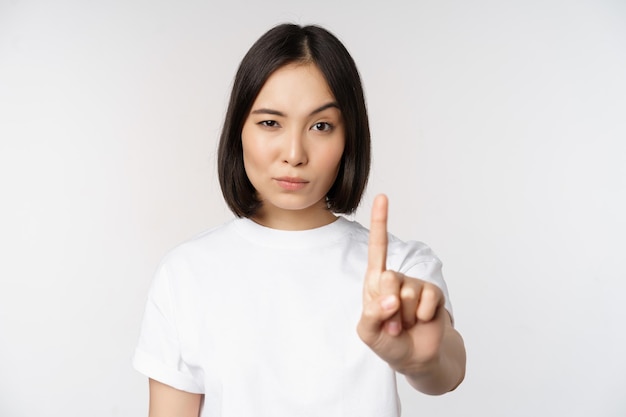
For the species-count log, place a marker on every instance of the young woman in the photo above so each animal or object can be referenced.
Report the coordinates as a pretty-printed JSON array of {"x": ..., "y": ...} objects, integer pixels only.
[{"x": 289, "y": 309}]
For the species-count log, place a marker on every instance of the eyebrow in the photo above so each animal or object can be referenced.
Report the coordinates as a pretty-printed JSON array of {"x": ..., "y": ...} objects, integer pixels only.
[{"x": 332, "y": 104}]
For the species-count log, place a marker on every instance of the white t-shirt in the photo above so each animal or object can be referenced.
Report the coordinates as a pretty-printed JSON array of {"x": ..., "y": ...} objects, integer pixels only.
[{"x": 263, "y": 321}]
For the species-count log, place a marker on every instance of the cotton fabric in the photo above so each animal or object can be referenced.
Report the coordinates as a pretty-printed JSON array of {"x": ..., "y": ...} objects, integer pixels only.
[{"x": 263, "y": 321}]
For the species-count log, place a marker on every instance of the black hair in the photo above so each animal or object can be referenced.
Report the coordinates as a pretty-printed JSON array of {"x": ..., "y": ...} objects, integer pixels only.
[{"x": 282, "y": 45}]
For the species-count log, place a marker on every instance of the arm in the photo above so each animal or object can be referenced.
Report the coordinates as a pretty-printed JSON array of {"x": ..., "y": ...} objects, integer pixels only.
[
  {"x": 447, "y": 369},
  {"x": 166, "y": 401},
  {"x": 404, "y": 320}
]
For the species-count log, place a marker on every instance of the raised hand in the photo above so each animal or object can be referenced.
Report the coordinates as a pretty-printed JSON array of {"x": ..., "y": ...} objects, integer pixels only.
[{"x": 403, "y": 318}]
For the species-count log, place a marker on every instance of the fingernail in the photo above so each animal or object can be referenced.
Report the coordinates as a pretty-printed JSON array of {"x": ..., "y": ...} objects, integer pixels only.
[{"x": 389, "y": 302}]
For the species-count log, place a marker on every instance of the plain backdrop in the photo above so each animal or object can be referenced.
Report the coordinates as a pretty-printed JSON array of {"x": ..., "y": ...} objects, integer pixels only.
[{"x": 499, "y": 134}]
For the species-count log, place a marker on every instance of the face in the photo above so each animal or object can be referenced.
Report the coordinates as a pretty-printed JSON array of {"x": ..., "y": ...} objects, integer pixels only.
[{"x": 293, "y": 140}]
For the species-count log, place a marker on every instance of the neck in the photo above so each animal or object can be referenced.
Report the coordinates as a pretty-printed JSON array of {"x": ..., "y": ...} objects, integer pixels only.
[{"x": 309, "y": 218}]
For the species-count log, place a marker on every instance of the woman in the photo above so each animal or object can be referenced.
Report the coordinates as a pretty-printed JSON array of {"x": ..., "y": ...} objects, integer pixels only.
[{"x": 257, "y": 317}]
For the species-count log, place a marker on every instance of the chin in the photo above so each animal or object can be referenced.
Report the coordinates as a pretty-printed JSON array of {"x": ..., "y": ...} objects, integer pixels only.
[{"x": 293, "y": 203}]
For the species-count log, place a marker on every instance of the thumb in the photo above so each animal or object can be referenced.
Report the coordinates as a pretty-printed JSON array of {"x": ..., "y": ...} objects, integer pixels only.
[{"x": 375, "y": 314}]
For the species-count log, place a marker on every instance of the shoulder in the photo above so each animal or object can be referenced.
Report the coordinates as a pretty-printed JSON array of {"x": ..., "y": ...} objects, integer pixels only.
[
  {"x": 414, "y": 248},
  {"x": 401, "y": 255},
  {"x": 204, "y": 242},
  {"x": 192, "y": 257},
  {"x": 358, "y": 233},
  {"x": 187, "y": 267},
  {"x": 410, "y": 252}
]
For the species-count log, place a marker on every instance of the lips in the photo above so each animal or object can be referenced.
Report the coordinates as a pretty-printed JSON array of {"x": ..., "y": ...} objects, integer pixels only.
[{"x": 291, "y": 183}]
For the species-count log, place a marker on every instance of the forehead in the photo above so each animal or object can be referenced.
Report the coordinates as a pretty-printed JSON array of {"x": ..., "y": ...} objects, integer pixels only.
[{"x": 295, "y": 87}]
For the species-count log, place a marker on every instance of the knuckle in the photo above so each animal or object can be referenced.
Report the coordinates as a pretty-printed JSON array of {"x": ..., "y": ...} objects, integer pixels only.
[
  {"x": 431, "y": 293},
  {"x": 387, "y": 276},
  {"x": 408, "y": 293},
  {"x": 390, "y": 277}
]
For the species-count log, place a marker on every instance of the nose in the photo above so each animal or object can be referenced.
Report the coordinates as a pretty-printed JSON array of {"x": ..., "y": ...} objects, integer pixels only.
[{"x": 294, "y": 150}]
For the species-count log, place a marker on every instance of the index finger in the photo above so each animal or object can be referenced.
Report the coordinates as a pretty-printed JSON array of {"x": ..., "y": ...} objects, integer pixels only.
[{"x": 377, "y": 248}]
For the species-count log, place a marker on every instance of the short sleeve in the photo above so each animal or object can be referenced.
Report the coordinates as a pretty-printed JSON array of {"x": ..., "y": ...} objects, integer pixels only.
[
  {"x": 431, "y": 271},
  {"x": 158, "y": 354},
  {"x": 417, "y": 260}
]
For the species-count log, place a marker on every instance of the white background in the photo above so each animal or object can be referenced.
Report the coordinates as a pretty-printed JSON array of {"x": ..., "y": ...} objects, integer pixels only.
[{"x": 499, "y": 133}]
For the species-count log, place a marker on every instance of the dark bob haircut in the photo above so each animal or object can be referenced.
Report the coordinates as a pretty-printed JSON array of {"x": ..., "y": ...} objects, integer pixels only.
[{"x": 282, "y": 45}]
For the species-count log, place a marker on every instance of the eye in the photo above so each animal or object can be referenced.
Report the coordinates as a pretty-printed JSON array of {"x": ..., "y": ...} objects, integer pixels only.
[
  {"x": 322, "y": 127},
  {"x": 269, "y": 123}
]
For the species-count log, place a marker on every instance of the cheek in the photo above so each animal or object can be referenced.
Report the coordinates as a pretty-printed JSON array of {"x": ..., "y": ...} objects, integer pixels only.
[
  {"x": 331, "y": 162},
  {"x": 333, "y": 157}
]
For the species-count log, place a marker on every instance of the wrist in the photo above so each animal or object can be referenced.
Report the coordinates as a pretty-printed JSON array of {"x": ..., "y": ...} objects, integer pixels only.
[
  {"x": 439, "y": 375},
  {"x": 418, "y": 368}
]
